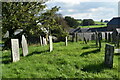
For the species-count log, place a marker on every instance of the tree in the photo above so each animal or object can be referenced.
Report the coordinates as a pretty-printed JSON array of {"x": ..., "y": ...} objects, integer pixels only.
[
  {"x": 71, "y": 22},
  {"x": 20, "y": 15},
  {"x": 26, "y": 16},
  {"x": 87, "y": 22}
]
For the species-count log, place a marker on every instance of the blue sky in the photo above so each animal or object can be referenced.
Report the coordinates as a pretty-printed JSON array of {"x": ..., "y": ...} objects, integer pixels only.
[{"x": 86, "y": 9}]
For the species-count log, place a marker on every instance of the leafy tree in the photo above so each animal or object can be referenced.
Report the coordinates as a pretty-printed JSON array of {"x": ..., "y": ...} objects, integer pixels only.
[
  {"x": 87, "y": 22},
  {"x": 20, "y": 15},
  {"x": 71, "y": 22}
]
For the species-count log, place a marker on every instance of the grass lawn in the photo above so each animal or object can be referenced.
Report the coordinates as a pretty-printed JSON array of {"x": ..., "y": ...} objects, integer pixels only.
[{"x": 77, "y": 60}]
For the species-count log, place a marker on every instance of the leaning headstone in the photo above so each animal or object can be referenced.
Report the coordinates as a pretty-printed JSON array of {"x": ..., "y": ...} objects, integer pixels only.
[
  {"x": 109, "y": 53},
  {"x": 24, "y": 46},
  {"x": 15, "y": 50},
  {"x": 66, "y": 41},
  {"x": 40, "y": 40},
  {"x": 51, "y": 43}
]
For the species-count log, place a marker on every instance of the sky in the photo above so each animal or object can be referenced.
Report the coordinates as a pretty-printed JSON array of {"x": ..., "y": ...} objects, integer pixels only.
[{"x": 86, "y": 9}]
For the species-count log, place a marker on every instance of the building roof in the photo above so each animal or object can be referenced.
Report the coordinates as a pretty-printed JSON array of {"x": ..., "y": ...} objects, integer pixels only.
[
  {"x": 83, "y": 30},
  {"x": 114, "y": 21}
]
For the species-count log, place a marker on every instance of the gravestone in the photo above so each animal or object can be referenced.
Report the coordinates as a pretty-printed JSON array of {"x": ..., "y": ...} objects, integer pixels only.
[
  {"x": 96, "y": 37},
  {"x": 44, "y": 41},
  {"x": 106, "y": 36},
  {"x": 118, "y": 40},
  {"x": 66, "y": 41},
  {"x": 24, "y": 46},
  {"x": 76, "y": 36},
  {"x": 109, "y": 37},
  {"x": 40, "y": 40},
  {"x": 109, "y": 53},
  {"x": 99, "y": 40},
  {"x": 15, "y": 50},
  {"x": 51, "y": 43},
  {"x": 73, "y": 37}
]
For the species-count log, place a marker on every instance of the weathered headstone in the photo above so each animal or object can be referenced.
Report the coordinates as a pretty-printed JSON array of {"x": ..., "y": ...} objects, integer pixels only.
[
  {"x": 24, "y": 46},
  {"x": 99, "y": 40},
  {"x": 96, "y": 36},
  {"x": 40, "y": 40},
  {"x": 106, "y": 36},
  {"x": 76, "y": 36},
  {"x": 44, "y": 41},
  {"x": 15, "y": 50},
  {"x": 109, "y": 53},
  {"x": 66, "y": 41},
  {"x": 118, "y": 40},
  {"x": 109, "y": 37},
  {"x": 73, "y": 37},
  {"x": 51, "y": 43}
]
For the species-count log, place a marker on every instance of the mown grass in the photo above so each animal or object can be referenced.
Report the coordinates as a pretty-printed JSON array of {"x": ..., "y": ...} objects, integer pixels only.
[{"x": 77, "y": 60}]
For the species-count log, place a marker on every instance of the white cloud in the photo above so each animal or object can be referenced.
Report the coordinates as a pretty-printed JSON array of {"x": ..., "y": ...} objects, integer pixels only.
[{"x": 71, "y": 10}]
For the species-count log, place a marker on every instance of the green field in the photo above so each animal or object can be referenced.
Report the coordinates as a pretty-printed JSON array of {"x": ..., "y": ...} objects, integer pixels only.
[
  {"x": 77, "y": 60},
  {"x": 94, "y": 26}
]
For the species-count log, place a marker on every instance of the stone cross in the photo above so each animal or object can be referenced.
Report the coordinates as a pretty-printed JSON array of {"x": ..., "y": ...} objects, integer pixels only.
[
  {"x": 51, "y": 43},
  {"x": 40, "y": 40},
  {"x": 109, "y": 53},
  {"x": 66, "y": 41},
  {"x": 15, "y": 50},
  {"x": 24, "y": 46}
]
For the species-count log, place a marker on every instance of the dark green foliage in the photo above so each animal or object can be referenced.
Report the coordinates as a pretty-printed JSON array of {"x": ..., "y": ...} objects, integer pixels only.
[
  {"x": 87, "y": 22},
  {"x": 72, "y": 22}
]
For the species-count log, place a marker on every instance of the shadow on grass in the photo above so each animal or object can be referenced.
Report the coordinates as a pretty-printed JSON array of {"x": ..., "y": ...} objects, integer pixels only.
[
  {"x": 94, "y": 68},
  {"x": 6, "y": 61},
  {"x": 117, "y": 54},
  {"x": 89, "y": 52},
  {"x": 36, "y": 52}
]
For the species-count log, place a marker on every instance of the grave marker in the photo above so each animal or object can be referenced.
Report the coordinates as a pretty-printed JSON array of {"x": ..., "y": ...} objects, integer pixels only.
[
  {"x": 24, "y": 46},
  {"x": 66, "y": 41},
  {"x": 15, "y": 50},
  {"x": 40, "y": 40},
  {"x": 109, "y": 53},
  {"x": 51, "y": 43}
]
